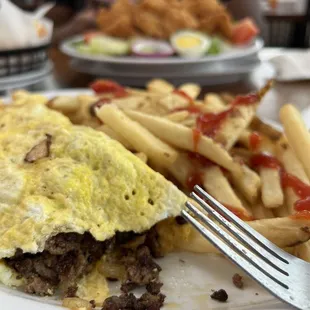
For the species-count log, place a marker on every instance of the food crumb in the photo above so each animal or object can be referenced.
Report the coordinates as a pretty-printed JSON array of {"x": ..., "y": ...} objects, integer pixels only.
[
  {"x": 220, "y": 295},
  {"x": 93, "y": 303},
  {"x": 237, "y": 280}
]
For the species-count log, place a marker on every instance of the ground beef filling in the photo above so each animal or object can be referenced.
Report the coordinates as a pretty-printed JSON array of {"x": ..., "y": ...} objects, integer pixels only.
[{"x": 65, "y": 259}]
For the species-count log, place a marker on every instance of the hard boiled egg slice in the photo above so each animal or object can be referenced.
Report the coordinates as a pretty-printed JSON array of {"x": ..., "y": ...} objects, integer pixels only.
[{"x": 191, "y": 44}]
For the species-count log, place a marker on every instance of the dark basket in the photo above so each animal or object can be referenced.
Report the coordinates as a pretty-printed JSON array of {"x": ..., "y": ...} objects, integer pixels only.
[{"x": 18, "y": 61}]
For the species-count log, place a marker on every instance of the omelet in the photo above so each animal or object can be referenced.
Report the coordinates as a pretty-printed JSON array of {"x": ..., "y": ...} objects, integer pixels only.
[{"x": 58, "y": 178}]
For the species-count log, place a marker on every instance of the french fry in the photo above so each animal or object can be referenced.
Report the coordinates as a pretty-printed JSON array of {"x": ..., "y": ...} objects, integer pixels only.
[
  {"x": 116, "y": 136},
  {"x": 302, "y": 251},
  {"x": 182, "y": 137},
  {"x": 159, "y": 86},
  {"x": 272, "y": 194},
  {"x": 260, "y": 212},
  {"x": 234, "y": 125},
  {"x": 284, "y": 232},
  {"x": 64, "y": 104},
  {"x": 293, "y": 166},
  {"x": 181, "y": 169},
  {"x": 297, "y": 135},
  {"x": 177, "y": 117},
  {"x": 83, "y": 114},
  {"x": 271, "y": 132},
  {"x": 173, "y": 101},
  {"x": 142, "y": 156},
  {"x": 130, "y": 103},
  {"x": 218, "y": 186},
  {"x": 191, "y": 89},
  {"x": 249, "y": 184},
  {"x": 265, "y": 143},
  {"x": 213, "y": 104},
  {"x": 139, "y": 137}
]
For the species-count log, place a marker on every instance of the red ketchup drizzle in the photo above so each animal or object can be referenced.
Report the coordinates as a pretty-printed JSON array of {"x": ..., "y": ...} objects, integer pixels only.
[
  {"x": 107, "y": 86},
  {"x": 184, "y": 95},
  {"x": 209, "y": 123},
  {"x": 196, "y": 138},
  {"x": 301, "y": 215},
  {"x": 195, "y": 177},
  {"x": 301, "y": 189},
  {"x": 192, "y": 109},
  {"x": 241, "y": 214},
  {"x": 254, "y": 141},
  {"x": 265, "y": 160},
  {"x": 249, "y": 99}
]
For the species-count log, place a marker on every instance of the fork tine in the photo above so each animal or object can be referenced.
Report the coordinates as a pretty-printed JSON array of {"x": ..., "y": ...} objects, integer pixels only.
[
  {"x": 239, "y": 248},
  {"x": 261, "y": 240},
  {"x": 277, "y": 290},
  {"x": 247, "y": 241}
]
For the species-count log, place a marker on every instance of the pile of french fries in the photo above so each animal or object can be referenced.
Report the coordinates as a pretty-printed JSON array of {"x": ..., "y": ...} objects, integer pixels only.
[{"x": 157, "y": 126}]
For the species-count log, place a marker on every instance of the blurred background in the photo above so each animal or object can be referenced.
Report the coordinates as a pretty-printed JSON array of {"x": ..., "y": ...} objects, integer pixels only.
[{"x": 283, "y": 23}]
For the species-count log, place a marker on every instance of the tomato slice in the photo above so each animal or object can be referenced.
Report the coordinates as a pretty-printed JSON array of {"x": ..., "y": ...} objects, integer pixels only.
[
  {"x": 107, "y": 86},
  {"x": 89, "y": 35},
  {"x": 244, "y": 31}
]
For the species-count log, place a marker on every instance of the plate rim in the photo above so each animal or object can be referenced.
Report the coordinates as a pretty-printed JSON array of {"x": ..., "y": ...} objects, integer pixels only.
[{"x": 241, "y": 52}]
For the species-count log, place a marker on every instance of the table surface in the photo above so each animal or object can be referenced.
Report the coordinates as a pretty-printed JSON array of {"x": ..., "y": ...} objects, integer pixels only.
[{"x": 282, "y": 93}]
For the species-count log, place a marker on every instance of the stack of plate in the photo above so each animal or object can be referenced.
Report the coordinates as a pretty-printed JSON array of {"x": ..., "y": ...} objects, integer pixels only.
[{"x": 227, "y": 67}]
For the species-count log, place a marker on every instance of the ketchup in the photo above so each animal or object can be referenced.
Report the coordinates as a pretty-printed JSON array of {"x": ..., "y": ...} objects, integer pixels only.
[
  {"x": 196, "y": 137},
  {"x": 190, "y": 109},
  {"x": 254, "y": 141},
  {"x": 198, "y": 159},
  {"x": 301, "y": 189},
  {"x": 301, "y": 215},
  {"x": 241, "y": 214},
  {"x": 199, "y": 162},
  {"x": 194, "y": 178},
  {"x": 265, "y": 160},
  {"x": 107, "y": 86},
  {"x": 249, "y": 99},
  {"x": 184, "y": 95},
  {"x": 209, "y": 123}
]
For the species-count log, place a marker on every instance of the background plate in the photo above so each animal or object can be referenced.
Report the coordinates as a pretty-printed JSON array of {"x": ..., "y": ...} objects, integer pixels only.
[{"x": 235, "y": 53}]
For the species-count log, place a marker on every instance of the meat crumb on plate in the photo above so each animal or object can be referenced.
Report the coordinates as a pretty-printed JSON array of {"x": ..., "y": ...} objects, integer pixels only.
[
  {"x": 220, "y": 295},
  {"x": 237, "y": 280}
]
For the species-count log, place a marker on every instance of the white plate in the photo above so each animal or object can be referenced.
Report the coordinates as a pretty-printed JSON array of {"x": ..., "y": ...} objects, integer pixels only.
[
  {"x": 188, "y": 279},
  {"x": 235, "y": 53},
  {"x": 218, "y": 73},
  {"x": 25, "y": 79}
]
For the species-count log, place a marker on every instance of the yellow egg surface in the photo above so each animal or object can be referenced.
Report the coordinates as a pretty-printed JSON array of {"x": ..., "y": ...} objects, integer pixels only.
[
  {"x": 88, "y": 182},
  {"x": 187, "y": 41}
]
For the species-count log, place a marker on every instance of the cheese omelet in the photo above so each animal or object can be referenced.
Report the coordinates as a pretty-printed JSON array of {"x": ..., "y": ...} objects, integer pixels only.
[{"x": 86, "y": 183}]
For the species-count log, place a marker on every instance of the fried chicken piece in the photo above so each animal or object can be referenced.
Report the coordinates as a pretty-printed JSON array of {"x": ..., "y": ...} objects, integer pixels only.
[
  {"x": 217, "y": 24},
  {"x": 150, "y": 24},
  {"x": 175, "y": 19},
  {"x": 118, "y": 20},
  {"x": 202, "y": 8},
  {"x": 157, "y": 6}
]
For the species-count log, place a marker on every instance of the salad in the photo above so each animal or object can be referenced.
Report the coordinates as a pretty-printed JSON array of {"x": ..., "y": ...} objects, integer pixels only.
[{"x": 183, "y": 43}]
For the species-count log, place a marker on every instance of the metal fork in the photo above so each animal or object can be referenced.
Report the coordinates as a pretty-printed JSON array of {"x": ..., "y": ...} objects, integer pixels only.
[{"x": 284, "y": 275}]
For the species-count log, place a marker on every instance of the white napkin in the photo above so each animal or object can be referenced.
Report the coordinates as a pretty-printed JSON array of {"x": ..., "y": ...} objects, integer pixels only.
[
  {"x": 19, "y": 29},
  {"x": 292, "y": 66}
]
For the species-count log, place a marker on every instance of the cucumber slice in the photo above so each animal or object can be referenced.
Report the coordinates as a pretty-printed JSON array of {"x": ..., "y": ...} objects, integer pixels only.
[{"x": 109, "y": 46}]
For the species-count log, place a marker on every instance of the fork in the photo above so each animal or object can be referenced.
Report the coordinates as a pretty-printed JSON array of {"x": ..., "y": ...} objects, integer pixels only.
[{"x": 282, "y": 274}]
